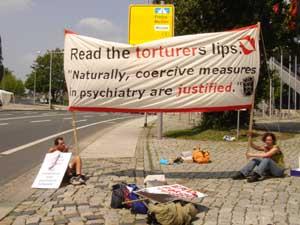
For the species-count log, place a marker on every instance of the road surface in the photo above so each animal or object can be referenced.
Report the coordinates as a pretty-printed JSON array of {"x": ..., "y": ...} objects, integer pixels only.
[{"x": 25, "y": 136}]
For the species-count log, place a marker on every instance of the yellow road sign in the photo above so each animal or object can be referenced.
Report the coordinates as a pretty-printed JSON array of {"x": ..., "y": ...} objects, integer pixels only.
[{"x": 150, "y": 22}]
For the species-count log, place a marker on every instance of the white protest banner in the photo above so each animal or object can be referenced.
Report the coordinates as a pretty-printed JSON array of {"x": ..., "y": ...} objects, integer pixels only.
[
  {"x": 53, "y": 170},
  {"x": 203, "y": 72},
  {"x": 172, "y": 192}
]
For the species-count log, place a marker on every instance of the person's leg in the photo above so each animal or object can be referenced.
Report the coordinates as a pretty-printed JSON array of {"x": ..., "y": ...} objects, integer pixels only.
[
  {"x": 266, "y": 165},
  {"x": 77, "y": 165},
  {"x": 250, "y": 166},
  {"x": 275, "y": 170}
]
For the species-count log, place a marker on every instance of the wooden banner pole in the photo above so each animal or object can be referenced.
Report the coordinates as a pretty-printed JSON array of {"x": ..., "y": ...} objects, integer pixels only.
[
  {"x": 252, "y": 111},
  {"x": 75, "y": 133}
]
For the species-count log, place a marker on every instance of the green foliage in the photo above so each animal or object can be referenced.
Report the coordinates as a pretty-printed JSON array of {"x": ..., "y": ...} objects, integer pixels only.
[
  {"x": 11, "y": 83},
  {"x": 41, "y": 69},
  {"x": 198, "y": 16}
]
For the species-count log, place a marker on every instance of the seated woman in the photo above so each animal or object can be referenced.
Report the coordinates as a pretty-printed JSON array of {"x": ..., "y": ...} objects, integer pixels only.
[{"x": 268, "y": 162}]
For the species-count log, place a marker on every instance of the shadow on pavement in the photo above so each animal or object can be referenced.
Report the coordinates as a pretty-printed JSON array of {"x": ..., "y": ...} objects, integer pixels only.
[{"x": 184, "y": 175}]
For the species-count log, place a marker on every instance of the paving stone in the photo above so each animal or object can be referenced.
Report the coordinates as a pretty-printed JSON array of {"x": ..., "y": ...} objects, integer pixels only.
[
  {"x": 46, "y": 223},
  {"x": 33, "y": 220},
  {"x": 60, "y": 219},
  {"x": 96, "y": 222},
  {"x": 19, "y": 221}
]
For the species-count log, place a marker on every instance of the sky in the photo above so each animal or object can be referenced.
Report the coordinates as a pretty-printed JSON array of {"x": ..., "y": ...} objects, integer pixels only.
[{"x": 31, "y": 26}]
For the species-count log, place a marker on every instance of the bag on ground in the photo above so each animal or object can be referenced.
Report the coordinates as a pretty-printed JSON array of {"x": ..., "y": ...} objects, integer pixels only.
[
  {"x": 200, "y": 156},
  {"x": 119, "y": 195},
  {"x": 139, "y": 206}
]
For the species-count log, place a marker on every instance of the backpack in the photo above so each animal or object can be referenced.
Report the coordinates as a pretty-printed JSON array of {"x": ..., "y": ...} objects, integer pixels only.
[
  {"x": 119, "y": 195},
  {"x": 139, "y": 206},
  {"x": 200, "y": 156}
]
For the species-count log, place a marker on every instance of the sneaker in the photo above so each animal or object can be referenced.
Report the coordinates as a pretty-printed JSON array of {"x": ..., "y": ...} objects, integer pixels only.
[
  {"x": 238, "y": 176},
  {"x": 253, "y": 178},
  {"x": 81, "y": 179},
  {"x": 75, "y": 180},
  {"x": 84, "y": 177}
]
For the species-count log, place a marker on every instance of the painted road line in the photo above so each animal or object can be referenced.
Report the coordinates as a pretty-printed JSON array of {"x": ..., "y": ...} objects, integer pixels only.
[
  {"x": 6, "y": 114},
  {"x": 22, "y": 147},
  {"x": 88, "y": 116},
  {"x": 28, "y": 117},
  {"x": 68, "y": 118},
  {"x": 39, "y": 121},
  {"x": 3, "y": 124},
  {"x": 78, "y": 121}
]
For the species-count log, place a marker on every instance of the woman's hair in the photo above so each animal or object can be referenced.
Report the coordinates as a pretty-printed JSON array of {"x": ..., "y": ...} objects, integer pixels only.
[{"x": 269, "y": 134}]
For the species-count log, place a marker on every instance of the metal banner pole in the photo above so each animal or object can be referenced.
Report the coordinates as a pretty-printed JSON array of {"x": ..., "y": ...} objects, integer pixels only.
[
  {"x": 296, "y": 83},
  {"x": 238, "y": 125},
  {"x": 289, "y": 94},
  {"x": 281, "y": 69}
]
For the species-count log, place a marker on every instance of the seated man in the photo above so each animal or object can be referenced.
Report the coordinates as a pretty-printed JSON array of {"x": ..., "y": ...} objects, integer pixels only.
[
  {"x": 269, "y": 162},
  {"x": 74, "y": 169}
]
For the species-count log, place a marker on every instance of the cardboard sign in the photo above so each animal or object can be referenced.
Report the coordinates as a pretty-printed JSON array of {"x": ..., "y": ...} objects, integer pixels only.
[
  {"x": 169, "y": 193},
  {"x": 53, "y": 170}
]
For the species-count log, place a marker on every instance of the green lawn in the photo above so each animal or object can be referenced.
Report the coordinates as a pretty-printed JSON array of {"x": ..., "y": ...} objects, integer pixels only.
[{"x": 217, "y": 135}]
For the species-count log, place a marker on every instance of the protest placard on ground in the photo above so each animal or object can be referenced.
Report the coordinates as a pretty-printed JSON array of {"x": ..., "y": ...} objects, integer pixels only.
[{"x": 52, "y": 170}]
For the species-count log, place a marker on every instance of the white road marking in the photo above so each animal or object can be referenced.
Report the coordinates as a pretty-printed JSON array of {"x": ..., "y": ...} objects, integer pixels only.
[
  {"x": 78, "y": 121},
  {"x": 39, "y": 121},
  {"x": 3, "y": 124},
  {"x": 28, "y": 117},
  {"x": 22, "y": 147},
  {"x": 6, "y": 114},
  {"x": 68, "y": 118},
  {"x": 88, "y": 116}
]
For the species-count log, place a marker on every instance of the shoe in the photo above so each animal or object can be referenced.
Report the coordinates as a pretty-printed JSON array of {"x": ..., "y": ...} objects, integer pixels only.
[
  {"x": 253, "y": 178},
  {"x": 238, "y": 176},
  {"x": 81, "y": 179},
  {"x": 77, "y": 180},
  {"x": 84, "y": 177}
]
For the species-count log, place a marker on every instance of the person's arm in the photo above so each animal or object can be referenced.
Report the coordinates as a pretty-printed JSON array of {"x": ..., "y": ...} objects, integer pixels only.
[
  {"x": 66, "y": 149},
  {"x": 268, "y": 154},
  {"x": 53, "y": 149},
  {"x": 256, "y": 147}
]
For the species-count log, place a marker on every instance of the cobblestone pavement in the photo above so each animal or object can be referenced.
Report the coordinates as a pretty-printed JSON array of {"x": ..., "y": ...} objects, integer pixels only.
[
  {"x": 272, "y": 201},
  {"x": 77, "y": 205}
]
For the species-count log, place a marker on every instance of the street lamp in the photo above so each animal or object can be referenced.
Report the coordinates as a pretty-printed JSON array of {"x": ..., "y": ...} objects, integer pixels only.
[
  {"x": 50, "y": 74},
  {"x": 34, "y": 88}
]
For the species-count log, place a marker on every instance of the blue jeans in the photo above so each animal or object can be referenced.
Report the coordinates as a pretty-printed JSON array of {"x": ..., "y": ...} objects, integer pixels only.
[{"x": 262, "y": 166}]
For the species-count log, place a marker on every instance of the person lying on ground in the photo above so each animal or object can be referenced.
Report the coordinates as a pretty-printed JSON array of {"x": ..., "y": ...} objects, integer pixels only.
[
  {"x": 269, "y": 161},
  {"x": 74, "y": 171}
]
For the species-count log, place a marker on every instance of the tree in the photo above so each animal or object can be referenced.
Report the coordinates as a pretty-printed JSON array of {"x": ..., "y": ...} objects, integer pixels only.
[
  {"x": 11, "y": 83},
  {"x": 199, "y": 16},
  {"x": 41, "y": 69}
]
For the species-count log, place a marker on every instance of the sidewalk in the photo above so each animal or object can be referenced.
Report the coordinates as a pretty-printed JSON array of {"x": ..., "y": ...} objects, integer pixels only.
[
  {"x": 272, "y": 201},
  {"x": 88, "y": 204}
]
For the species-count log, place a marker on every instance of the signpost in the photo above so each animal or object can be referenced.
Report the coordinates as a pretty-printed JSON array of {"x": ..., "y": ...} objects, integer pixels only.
[{"x": 148, "y": 23}]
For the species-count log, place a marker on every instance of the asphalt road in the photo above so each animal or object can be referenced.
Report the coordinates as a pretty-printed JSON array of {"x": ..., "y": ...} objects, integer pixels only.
[{"x": 25, "y": 136}]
